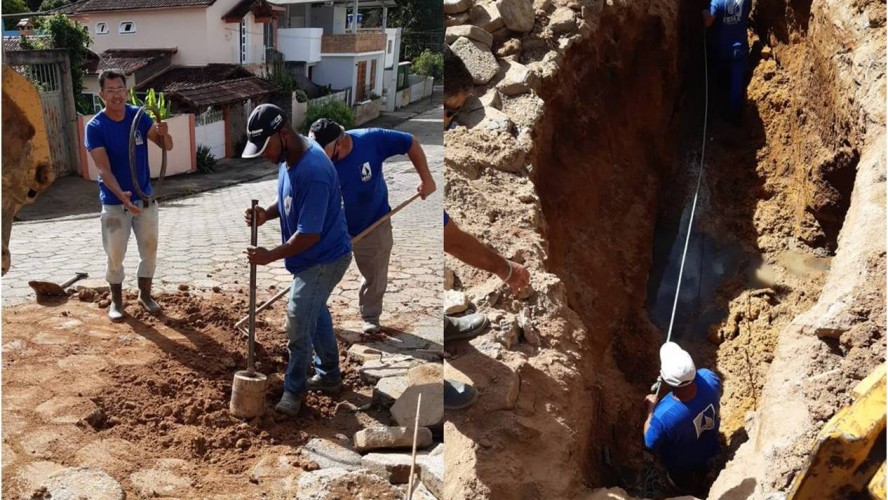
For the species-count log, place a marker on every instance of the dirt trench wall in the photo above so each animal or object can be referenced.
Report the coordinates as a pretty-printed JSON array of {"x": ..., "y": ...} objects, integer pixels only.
[
  {"x": 843, "y": 91},
  {"x": 571, "y": 422}
]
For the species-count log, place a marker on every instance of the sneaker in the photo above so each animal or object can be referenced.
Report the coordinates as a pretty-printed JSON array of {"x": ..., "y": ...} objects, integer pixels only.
[
  {"x": 458, "y": 396},
  {"x": 327, "y": 386},
  {"x": 289, "y": 404},
  {"x": 464, "y": 327},
  {"x": 371, "y": 326}
]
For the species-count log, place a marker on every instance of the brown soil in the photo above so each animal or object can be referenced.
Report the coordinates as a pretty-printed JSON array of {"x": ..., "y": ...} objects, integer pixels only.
[{"x": 161, "y": 385}]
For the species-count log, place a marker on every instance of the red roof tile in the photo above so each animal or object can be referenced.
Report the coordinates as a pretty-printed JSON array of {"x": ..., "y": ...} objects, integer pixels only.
[
  {"x": 224, "y": 92},
  {"x": 109, "y": 5},
  {"x": 127, "y": 60}
]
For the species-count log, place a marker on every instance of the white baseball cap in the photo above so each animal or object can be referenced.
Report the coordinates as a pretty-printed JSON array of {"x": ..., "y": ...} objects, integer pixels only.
[{"x": 676, "y": 366}]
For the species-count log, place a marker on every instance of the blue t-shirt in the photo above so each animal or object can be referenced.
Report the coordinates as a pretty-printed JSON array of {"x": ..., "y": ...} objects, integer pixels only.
[
  {"x": 103, "y": 132},
  {"x": 309, "y": 202},
  {"x": 364, "y": 191},
  {"x": 685, "y": 434},
  {"x": 731, "y": 17}
]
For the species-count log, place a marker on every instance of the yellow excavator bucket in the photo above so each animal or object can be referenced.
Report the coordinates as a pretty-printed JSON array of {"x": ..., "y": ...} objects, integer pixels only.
[{"x": 840, "y": 463}]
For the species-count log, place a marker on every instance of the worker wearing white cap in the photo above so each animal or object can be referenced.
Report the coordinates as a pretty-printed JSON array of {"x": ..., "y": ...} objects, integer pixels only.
[{"x": 682, "y": 427}]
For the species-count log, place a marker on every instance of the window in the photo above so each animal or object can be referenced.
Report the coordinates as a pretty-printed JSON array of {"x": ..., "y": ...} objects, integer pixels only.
[
  {"x": 243, "y": 41},
  {"x": 389, "y": 49},
  {"x": 101, "y": 28},
  {"x": 127, "y": 27}
]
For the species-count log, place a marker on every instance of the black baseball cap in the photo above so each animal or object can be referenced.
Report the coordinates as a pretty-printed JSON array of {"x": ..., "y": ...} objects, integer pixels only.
[
  {"x": 325, "y": 131},
  {"x": 264, "y": 121}
]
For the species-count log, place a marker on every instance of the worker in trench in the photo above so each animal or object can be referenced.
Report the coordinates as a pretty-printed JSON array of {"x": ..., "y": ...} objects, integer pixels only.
[
  {"x": 727, "y": 19},
  {"x": 358, "y": 156},
  {"x": 315, "y": 248},
  {"x": 682, "y": 427},
  {"x": 458, "y": 395},
  {"x": 123, "y": 211}
]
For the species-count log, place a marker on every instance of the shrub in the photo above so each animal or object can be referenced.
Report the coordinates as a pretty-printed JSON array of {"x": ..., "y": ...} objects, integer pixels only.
[
  {"x": 337, "y": 111},
  {"x": 429, "y": 64},
  {"x": 206, "y": 162},
  {"x": 301, "y": 96},
  {"x": 154, "y": 100}
]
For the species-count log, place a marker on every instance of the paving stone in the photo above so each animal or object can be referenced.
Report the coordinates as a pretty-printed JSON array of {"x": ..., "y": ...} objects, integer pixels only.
[
  {"x": 389, "y": 389},
  {"x": 160, "y": 483},
  {"x": 518, "y": 15},
  {"x": 394, "y": 467},
  {"x": 455, "y": 302},
  {"x": 519, "y": 79},
  {"x": 432, "y": 473},
  {"x": 330, "y": 484},
  {"x": 328, "y": 454},
  {"x": 477, "y": 57},
  {"x": 563, "y": 20},
  {"x": 431, "y": 411},
  {"x": 83, "y": 482},
  {"x": 385, "y": 438},
  {"x": 388, "y": 366},
  {"x": 486, "y": 16},
  {"x": 469, "y": 31},
  {"x": 456, "y": 6},
  {"x": 362, "y": 353}
]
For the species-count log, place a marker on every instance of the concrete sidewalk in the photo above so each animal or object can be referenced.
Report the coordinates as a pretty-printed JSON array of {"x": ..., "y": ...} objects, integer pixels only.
[{"x": 77, "y": 198}]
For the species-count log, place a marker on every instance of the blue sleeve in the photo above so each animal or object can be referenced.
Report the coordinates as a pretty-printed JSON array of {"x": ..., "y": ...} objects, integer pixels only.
[
  {"x": 94, "y": 138},
  {"x": 313, "y": 210},
  {"x": 392, "y": 142},
  {"x": 654, "y": 436},
  {"x": 145, "y": 123}
]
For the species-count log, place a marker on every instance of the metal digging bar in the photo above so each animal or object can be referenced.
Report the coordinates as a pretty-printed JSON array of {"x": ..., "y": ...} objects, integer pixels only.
[{"x": 132, "y": 157}]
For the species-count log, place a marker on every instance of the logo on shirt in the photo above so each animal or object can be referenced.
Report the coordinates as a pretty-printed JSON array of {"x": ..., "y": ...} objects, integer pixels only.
[
  {"x": 733, "y": 11},
  {"x": 366, "y": 173},
  {"x": 288, "y": 202},
  {"x": 139, "y": 141},
  {"x": 705, "y": 420}
]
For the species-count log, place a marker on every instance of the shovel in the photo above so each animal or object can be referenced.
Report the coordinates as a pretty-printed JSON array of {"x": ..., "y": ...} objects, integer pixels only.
[{"x": 47, "y": 289}]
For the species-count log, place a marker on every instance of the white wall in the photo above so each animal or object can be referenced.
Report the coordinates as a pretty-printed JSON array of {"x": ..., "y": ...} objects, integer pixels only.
[
  {"x": 212, "y": 135},
  {"x": 393, "y": 37},
  {"x": 300, "y": 44},
  {"x": 222, "y": 42},
  {"x": 336, "y": 71}
]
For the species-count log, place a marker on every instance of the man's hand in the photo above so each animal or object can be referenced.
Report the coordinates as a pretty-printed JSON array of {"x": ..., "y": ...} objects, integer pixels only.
[
  {"x": 425, "y": 188},
  {"x": 519, "y": 277},
  {"x": 162, "y": 129},
  {"x": 261, "y": 216},
  {"x": 128, "y": 203},
  {"x": 259, "y": 256},
  {"x": 650, "y": 401}
]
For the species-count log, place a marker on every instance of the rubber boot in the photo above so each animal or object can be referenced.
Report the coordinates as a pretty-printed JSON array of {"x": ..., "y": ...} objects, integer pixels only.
[
  {"x": 145, "y": 296},
  {"x": 115, "y": 310}
]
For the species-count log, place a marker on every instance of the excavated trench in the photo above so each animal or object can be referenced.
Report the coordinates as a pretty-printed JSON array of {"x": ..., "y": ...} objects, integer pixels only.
[{"x": 615, "y": 164}]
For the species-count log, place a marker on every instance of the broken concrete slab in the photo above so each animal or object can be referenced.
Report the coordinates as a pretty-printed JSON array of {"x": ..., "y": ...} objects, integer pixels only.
[
  {"x": 492, "y": 99},
  {"x": 494, "y": 120},
  {"x": 386, "y": 438},
  {"x": 160, "y": 483},
  {"x": 387, "y": 366},
  {"x": 329, "y": 454},
  {"x": 518, "y": 15},
  {"x": 389, "y": 389},
  {"x": 426, "y": 373},
  {"x": 498, "y": 384},
  {"x": 422, "y": 493},
  {"x": 469, "y": 31},
  {"x": 362, "y": 353},
  {"x": 431, "y": 412},
  {"x": 83, "y": 482},
  {"x": 456, "y": 19},
  {"x": 394, "y": 467},
  {"x": 328, "y": 484},
  {"x": 477, "y": 57},
  {"x": 519, "y": 79}
]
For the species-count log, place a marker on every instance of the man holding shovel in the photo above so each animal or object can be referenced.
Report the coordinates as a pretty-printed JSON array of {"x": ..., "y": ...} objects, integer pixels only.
[
  {"x": 316, "y": 247},
  {"x": 358, "y": 156}
]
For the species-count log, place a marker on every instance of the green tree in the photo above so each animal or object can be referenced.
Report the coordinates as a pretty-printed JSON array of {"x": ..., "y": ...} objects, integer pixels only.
[
  {"x": 13, "y": 7},
  {"x": 52, "y": 4},
  {"x": 422, "y": 23},
  {"x": 66, "y": 34},
  {"x": 429, "y": 64}
]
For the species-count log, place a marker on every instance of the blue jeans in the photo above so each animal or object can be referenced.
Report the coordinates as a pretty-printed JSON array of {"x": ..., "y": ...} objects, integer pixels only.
[{"x": 309, "y": 325}]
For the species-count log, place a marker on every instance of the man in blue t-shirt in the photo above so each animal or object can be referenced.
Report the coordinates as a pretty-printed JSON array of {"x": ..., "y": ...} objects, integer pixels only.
[
  {"x": 123, "y": 212},
  {"x": 731, "y": 47},
  {"x": 315, "y": 248},
  {"x": 358, "y": 156},
  {"x": 682, "y": 428}
]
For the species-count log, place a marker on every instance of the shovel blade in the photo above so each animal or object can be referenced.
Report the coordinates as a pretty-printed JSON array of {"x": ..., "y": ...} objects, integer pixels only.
[{"x": 46, "y": 289}]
